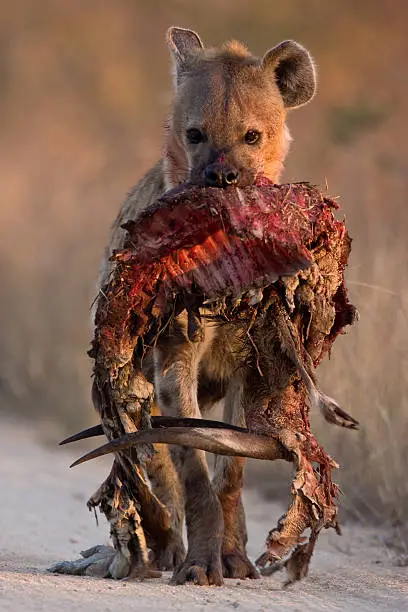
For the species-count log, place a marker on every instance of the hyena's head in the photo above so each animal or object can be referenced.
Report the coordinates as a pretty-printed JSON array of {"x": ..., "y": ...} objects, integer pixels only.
[{"x": 228, "y": 120}]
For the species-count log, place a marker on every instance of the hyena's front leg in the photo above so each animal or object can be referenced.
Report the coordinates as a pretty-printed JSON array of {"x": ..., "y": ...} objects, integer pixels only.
[
  {"x": 166, "y": 486},
  {"x": 228, "y": 481},
  {"x": 176, "y": 367}
]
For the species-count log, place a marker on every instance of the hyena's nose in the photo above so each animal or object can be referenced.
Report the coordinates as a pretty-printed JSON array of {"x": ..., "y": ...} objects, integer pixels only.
[{"x": 220, "y": 175}]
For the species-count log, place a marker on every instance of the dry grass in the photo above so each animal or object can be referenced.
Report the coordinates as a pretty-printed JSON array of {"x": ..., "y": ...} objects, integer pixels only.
[{"x": 84, "y": 95}]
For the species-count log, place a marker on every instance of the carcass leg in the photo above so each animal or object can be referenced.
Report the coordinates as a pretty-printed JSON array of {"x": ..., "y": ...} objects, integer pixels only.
[{"x": 138, "y": 519}]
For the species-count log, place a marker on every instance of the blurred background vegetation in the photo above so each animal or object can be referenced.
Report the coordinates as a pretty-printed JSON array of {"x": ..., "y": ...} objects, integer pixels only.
[{"x": 85, "y": 89}]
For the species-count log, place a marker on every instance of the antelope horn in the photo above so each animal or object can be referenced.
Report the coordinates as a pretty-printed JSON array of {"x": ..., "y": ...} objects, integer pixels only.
[
  {"x": 157, "y": 422},
  {"x": 212, "y": 440},
  {"x": 91, "y": 432},
  {"x": 166, "y": 421}
]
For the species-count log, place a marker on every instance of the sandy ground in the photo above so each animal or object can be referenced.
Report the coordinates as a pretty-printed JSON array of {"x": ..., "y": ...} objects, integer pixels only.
[{"x": 43, "y": 519}]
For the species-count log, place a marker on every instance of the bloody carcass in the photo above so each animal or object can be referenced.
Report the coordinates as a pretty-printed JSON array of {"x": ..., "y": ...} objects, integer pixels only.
[{"x": 268, "y": 262}]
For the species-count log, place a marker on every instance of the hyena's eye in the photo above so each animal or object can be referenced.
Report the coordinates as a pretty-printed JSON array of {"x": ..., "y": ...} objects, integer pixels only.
[
  {"x": 252, "y": 137},
  {"x": 195, "y": 136}
]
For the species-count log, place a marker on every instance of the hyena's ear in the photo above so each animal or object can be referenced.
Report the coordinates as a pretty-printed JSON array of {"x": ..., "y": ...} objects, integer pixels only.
[
  {"x": 182, "y": 44},
  {"x": 294, "y": 72}
]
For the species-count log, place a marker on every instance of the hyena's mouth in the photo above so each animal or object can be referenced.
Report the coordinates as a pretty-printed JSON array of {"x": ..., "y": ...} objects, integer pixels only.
[{"x": 224, "y": 179}]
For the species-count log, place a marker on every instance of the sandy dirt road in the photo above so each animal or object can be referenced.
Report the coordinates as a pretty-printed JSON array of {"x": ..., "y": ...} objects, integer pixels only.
[{"x": 43, "y": 519}]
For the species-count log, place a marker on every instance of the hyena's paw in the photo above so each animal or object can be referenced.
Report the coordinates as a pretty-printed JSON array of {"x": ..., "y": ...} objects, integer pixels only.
[
  {"x": 198, "y": 572},
  {"x": 172, "y": 555},
  {"x": 235, "y": 564}
]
